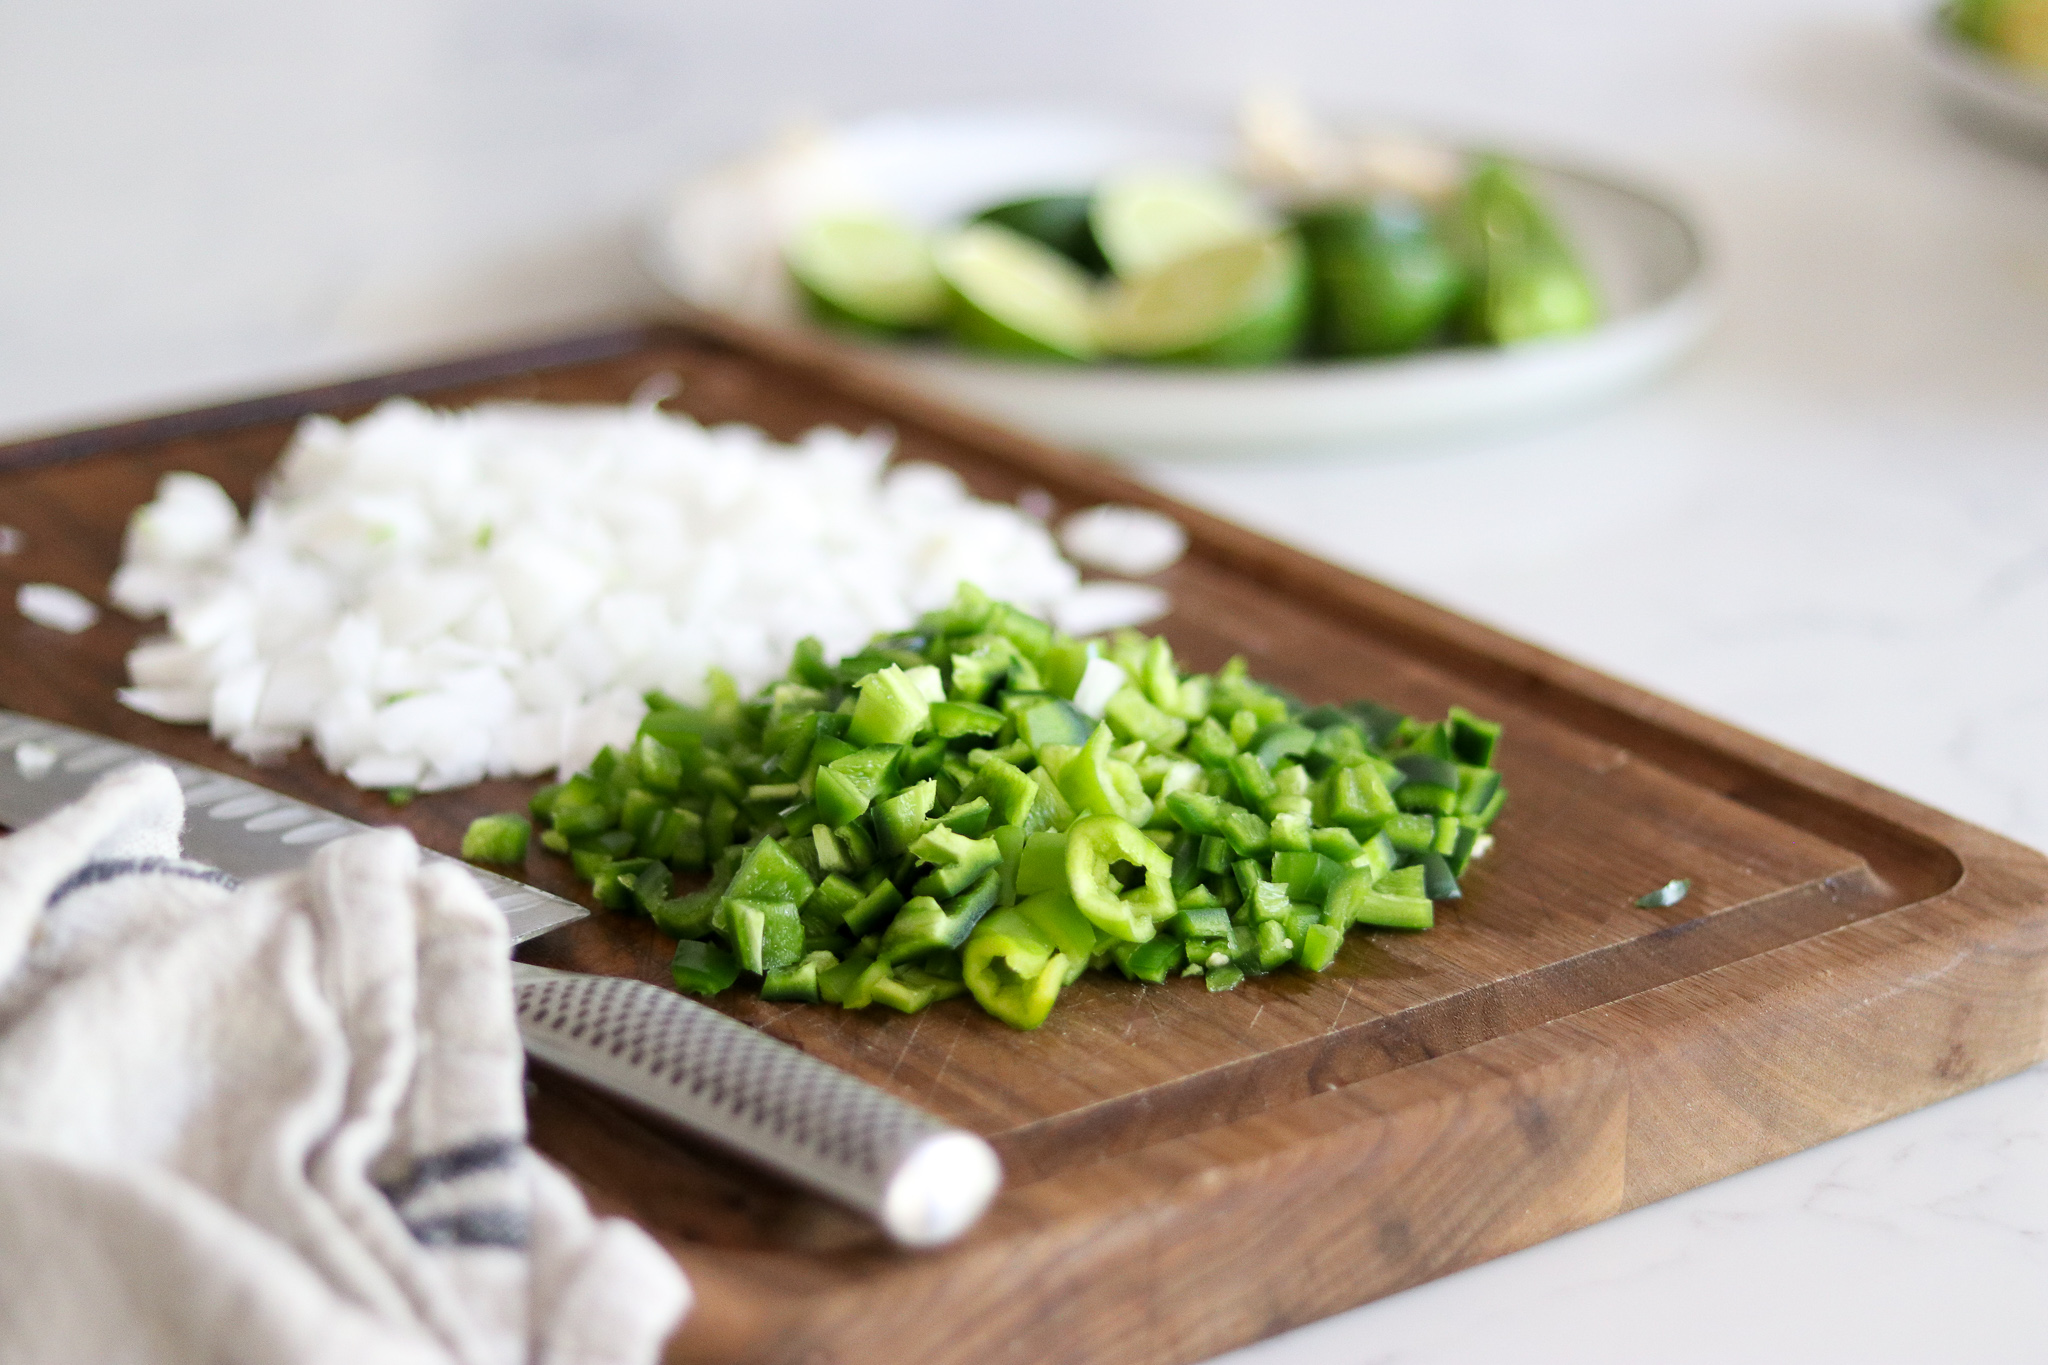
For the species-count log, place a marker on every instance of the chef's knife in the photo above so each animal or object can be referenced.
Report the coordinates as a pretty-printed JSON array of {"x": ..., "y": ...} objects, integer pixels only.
[{"x": 923, "y": 1181}]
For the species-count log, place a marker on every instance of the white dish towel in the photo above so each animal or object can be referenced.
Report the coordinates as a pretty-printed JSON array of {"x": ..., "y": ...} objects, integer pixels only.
[{"x": 280, "y": 1122}]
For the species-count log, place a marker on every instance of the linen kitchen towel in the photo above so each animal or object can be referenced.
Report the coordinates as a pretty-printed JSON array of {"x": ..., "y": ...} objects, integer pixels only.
[{"x": 282, "y": 1121}]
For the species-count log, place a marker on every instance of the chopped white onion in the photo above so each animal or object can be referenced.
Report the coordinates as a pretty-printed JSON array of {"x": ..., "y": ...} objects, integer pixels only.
[
  {"x": 33, "y": 760},
  {"x": 1102, "y": 680},
  {"x": 1134, "y": 541},
  {"x": 59, "y": 608},
  {"x": 437, "y": 597}
]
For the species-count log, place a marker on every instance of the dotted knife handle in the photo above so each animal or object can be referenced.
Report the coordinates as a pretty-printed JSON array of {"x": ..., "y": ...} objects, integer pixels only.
[{"x": 923, "y": 1181}]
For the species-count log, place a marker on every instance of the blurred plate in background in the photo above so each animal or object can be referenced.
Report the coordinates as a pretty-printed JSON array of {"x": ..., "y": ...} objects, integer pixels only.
[{"x": 716, "y": 246}]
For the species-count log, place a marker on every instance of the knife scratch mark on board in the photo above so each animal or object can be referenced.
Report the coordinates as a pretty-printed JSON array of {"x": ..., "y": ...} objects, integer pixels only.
[
  {"x": 946, "y": 1061},
  {"x": 904, "y": 1051},
  {"x": 1348, "y": 987}
]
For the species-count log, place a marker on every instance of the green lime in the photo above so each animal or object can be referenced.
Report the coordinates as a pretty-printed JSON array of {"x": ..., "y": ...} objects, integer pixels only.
[
  {"x": 1528, "y": 281},
  {"x": 1058, "y": 220},
  {"x": 866, "y": 272},
  {"x": 1240, "y": 303},
  {"x": 1385, "y": 280},
  {"x": 1146, "y": 220},
  {"x": 1016, "y": 296}
]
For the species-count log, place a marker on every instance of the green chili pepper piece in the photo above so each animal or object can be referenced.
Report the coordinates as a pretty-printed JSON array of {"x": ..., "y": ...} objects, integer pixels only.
[
  {"x": 977, "y": 669},
  {"x": 902, "y": 818},
  {"x": 1056, "y": 916},
  {"x": 703, "y": 968},
  {"x": 844, "y": 788},
  {"x": 687, "y": 916},
  {"x": 1013, "y": 969},
  {"x": 1667, "y": 895},
  {"x": 1359, "y": 798},
  {"x": 875, "y": 908},
  {"x": 1225, "y": 978},
  {"x": 1319, "y": 945},
  {"x": 1336, "y": 843},
  {"x": 1133, "y": 716},
  {"x": 1411, "y": 833},
  {"x": 1042, "y": 866},
  {"x": 1247, "y": 834},
  {"x": 1012, "y": 795},
  {"x": 1307, "y": 876},
  {"x": 1153, "y": 961},
  {"x": 1096, "y": 845},
  {"x": 834, "y": 982},
  {"x": 967, "y": 817},
  {"x": 1356, "y": 900},
  {"x": 799, "y": 981},
  {"x": 892, "y": 708},
  {"x": 496, "y": 839},
  {"x": 1010, "y": 842},
  {"x": 956, "y": 859},
  {"x": 1052, "y": 721},
  {"x": 1098, "y": 784},
  {"x": 765, "y": 934},
  {"x": 1289, "y": 833},
  {"x": 964, "y": 719},
  {"x": 769, "y": 873}
]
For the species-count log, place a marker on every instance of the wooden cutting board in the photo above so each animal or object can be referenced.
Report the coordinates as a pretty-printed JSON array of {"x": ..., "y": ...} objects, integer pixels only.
[{"x": 1189, "y": 1172}]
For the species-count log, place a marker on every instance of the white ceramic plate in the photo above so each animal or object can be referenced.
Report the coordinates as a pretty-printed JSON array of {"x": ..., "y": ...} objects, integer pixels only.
[
  {"x": 935, "y": 168},
  {"x": 1984, "y": 94}
]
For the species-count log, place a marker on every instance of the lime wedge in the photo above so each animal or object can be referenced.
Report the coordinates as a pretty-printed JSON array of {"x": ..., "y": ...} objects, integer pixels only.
[
  {"x": 1241, "y": 303},
  {"x": 1058, "y": 220},
  {"x": 1146, "y": 220},
  {"x": 1016, "y": 296},
  {"x": 866, "y": 272}
]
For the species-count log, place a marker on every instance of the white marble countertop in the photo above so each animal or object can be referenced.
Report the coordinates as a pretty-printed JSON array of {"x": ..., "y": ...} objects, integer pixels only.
[{"x": 1830, "y": 528}]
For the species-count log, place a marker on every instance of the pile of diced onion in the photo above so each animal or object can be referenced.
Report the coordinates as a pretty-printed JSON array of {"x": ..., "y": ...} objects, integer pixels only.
[{"x": 437, "y": 597}]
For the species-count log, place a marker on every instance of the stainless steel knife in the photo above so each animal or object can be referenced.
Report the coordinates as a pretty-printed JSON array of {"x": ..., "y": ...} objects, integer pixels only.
[{"x": 923, "y": 1181}]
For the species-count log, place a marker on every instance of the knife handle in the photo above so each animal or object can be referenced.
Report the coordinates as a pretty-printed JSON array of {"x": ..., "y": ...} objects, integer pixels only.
[{"x": 923, "y": 1181}]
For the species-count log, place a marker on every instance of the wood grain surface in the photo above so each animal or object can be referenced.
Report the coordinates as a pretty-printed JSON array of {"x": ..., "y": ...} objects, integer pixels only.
[{"x": 1189, "y": 1172}]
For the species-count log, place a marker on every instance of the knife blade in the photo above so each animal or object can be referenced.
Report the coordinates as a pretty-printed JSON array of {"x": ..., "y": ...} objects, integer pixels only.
[{"x": 922, "y": 1180}]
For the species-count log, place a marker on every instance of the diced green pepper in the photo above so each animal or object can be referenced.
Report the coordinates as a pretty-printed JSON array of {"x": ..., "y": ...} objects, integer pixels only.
[
  {"x": 798, "y": 982},
  {"x": 1011, "y": 794},
  {"x": 496, "y": 839},
  {"x": 687, "y": 916},
  {"x": 1097, "y": 845},
  {"x": 1307, "y": 876},
  {"x": 892, "y": 708},
  {"x": 875, "y": 908},
  {"x": 1319, "y": 945},
  {"x": 924, "y": 926},
  {"x": 1097, "y": 783},
  {"x": 965, "y": 719},
  {"x": 846, "y": 786},
  {"x": 1392, "y": 904},
  {"x": 901, "y": 819},
  {"x": 769, "y": 873},
  {"x": 1013, "y": 969},
  {"x": 1050, "y": 720},
  {"x": 1042, "y": 865},
  {"x": 703, "y": 968},
  {"x": 765, "y": 934},
  {"x": 956, "y": 860}
]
